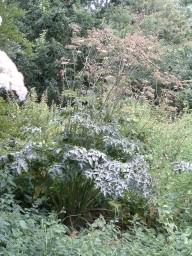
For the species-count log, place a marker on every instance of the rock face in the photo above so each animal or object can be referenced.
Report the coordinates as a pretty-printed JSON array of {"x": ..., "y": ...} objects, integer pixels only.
[{"x": 11, "y": 81}]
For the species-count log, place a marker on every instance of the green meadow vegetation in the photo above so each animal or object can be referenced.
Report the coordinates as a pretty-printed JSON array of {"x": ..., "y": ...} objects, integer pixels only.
[{"x": 98, "y": 159}]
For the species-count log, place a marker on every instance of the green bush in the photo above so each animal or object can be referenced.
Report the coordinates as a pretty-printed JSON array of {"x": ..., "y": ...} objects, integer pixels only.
[
  {"x": 31, "y": 234},
  {"x": 28, "y": 180}
]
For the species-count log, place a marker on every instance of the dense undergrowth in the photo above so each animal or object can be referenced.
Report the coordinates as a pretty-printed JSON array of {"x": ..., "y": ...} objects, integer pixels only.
[
  {"x": 98, "y": 159},
  {"x": 35, "y": 184}
]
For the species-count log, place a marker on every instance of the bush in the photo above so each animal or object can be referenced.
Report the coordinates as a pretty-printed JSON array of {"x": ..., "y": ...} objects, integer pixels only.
[{"x": 52, "y": 238}]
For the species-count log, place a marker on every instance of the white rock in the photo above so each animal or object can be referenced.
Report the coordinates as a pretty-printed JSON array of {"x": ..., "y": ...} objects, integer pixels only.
[{"x": 10, "y": 78}]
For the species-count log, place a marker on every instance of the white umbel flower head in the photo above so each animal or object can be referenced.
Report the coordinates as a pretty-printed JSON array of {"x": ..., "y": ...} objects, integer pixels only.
[{"x": 10, "y": 78}]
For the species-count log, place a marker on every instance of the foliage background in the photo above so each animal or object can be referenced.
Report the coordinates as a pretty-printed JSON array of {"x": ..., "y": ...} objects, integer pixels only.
[{"x": 118, "y": 72}]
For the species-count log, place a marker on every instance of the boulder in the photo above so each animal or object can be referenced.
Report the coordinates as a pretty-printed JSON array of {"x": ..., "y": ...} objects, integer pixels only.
[{"x": 11, "y": 80}]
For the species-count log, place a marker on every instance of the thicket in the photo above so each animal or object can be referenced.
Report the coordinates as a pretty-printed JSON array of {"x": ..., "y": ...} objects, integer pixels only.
[
  {"x": 36, "y": 180},
  {"x": 39, "y": 35},
  {"x": 97, "y": 160}
]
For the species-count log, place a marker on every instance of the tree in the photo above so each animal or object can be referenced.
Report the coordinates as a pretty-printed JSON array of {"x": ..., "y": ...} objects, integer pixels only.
[
  {"x": 50, "y": 25},
  {"x": 11, "y": 38}
]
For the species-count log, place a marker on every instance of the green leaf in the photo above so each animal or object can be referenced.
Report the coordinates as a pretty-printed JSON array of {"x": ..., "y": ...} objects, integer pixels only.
[{"x": 23, "y": 224}]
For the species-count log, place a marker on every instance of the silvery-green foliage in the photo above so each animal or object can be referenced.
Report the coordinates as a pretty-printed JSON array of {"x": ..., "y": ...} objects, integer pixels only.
[
  {"x": 20, "y": 161},
  {"x": 182, "y": 166},
  {"x": 121, "y": 145},
  {"x": 112, "y": 177},
  {"x": 32, "y": 130},
  {"x": 56, "y": 170},
  {"x": 85, "y": 121},
  {"x": 105, "y": 137}
]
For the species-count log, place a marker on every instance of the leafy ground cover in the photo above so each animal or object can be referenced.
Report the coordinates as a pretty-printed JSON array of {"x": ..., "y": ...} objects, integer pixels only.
[
  {"x": 83, "y": 223},
  {"x": 98, "y": 159}
]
